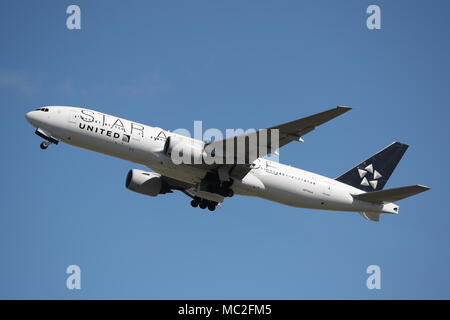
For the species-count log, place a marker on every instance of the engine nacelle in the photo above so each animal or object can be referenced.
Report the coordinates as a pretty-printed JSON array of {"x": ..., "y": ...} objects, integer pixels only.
[
  {"x": 148, "y": 183},
  {"x": 184, "y": 150}
]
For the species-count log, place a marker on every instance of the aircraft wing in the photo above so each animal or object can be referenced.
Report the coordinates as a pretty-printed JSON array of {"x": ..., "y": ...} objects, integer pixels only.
[{"x": 262, "y": 142}]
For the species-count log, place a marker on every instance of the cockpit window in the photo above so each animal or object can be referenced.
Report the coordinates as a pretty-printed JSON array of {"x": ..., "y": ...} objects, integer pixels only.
[{"x": 42, "y": 109}]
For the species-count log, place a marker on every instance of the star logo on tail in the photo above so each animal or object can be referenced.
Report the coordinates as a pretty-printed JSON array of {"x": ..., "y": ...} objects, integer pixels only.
[{"x": 365, "y": 175}]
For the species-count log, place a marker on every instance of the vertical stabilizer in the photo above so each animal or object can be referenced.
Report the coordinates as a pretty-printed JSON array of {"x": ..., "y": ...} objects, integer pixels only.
[{"x": 373, "y": 173}]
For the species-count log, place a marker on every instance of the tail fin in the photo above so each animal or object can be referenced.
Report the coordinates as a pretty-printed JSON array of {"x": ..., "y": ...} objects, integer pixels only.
[
  {"x": 391, "y": 195},
  {"x": 373, "y": 173}
]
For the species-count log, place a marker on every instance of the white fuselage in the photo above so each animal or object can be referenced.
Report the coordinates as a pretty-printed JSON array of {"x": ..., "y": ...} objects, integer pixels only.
[{"x": 143, "y": 144}]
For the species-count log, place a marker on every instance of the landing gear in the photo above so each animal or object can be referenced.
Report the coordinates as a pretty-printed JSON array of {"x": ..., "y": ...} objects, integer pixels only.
[
  {"x": 44, "y": 145},
  {"x": 226, "y": 189},
  {"x": 212, "y": 206},
  {"x": 194, "y": 203},
  {"x": 212, "y": 183},
  {"x": 48, "y": 138},
  {"x": 203, "y": 204}
]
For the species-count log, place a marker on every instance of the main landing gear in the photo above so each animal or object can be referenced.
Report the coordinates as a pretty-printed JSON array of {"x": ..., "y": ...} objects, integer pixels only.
[
  {"x": 204, "y": 203},
  {"x": 213, "y": 184}
]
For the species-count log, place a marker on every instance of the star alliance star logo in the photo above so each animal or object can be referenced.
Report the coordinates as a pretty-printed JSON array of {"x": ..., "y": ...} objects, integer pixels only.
[{"x": 375, "y": 176}]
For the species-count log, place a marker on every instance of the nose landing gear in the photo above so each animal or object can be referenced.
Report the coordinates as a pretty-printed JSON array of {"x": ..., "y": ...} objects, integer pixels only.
[
  {"x": 48, "y": 138},
  {"x": 44, "y": 145}
]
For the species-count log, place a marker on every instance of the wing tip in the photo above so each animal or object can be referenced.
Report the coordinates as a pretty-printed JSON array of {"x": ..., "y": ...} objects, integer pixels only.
[
  {"x": 344, "y": 108},
  {"x": 424, "y": 188}
]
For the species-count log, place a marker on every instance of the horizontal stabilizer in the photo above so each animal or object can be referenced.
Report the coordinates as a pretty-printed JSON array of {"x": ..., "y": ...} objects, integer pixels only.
[{"x": 391, "y": 195}]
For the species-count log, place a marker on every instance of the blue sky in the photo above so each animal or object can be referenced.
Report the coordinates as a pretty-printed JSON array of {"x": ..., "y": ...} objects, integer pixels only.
[{"x": 231, "y": 64}]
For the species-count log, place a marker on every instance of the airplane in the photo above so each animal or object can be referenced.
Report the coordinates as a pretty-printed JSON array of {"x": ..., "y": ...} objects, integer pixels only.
[{"x": 358, "y": 190}]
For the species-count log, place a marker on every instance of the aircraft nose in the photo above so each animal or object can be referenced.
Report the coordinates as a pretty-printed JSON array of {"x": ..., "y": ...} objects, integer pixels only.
[{"x": 30, "y": 116}]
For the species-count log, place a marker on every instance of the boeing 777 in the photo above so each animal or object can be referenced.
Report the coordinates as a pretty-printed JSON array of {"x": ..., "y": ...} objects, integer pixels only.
[{"x": 208, "y": 183}]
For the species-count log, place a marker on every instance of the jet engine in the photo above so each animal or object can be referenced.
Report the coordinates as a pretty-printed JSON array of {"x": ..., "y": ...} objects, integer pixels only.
[
  {"x": 148, "y": 183},
  {"x": 183, "y": 150}
]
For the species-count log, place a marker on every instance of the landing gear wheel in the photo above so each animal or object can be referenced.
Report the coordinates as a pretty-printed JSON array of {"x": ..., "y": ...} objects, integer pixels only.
[
  {"x": 194, "y": 203},
  {"x": 212, "y": 206},
  {"x": 230, "y": 193},
  {"x": 202, "y": 205},
  {"x": 44, "y": 145}
]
